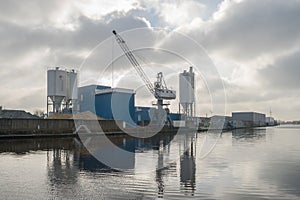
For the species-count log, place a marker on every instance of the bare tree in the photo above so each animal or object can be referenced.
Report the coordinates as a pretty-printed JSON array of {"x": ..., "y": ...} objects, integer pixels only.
[{"x": 39, "y": 113}]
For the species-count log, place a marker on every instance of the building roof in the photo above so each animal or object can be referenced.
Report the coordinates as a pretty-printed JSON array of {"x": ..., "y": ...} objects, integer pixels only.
[
  {"x": 221, "y": 117},
  {"x": 16, "y": 114},
  {"x": 247, "y": 112},
  {"x": 98, "y": 87},
  {"x": 115, "y": 90}
]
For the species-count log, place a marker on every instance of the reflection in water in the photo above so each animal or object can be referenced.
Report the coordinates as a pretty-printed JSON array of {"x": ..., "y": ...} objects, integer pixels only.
[
  {"x": 188, "y": 170},
  {"x": 64, "y": 169},
  {"x": 27, "y": 145},
  {"x": 249, "y": 134},
  {"x": 159, "y": 171},
  {"x": 61, "y": 169}
]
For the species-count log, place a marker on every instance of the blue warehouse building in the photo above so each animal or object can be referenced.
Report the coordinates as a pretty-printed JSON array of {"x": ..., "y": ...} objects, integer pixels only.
[
  {"x": 86, "y": 97},
  {"x": 142, "y": 115},
  {"x": 108, "y": 103},
  {"x": 116, "y": 104}
]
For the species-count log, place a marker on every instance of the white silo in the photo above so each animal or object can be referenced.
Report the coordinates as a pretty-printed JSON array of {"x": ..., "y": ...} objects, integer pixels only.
[
  {"x": 73, "y": 86},
  {"x": 56, "y": 88},
  {"x": 72, "y": 89},
  {"x": 187, "y": 92},
  {"x": 61, "y": 89}
]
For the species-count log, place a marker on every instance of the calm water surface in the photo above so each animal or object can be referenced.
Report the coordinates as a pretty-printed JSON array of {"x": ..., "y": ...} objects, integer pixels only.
[{"x": 244, "y": 164}]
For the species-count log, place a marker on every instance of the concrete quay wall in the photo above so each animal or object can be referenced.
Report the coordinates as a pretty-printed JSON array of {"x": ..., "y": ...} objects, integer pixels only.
[{"x": 52, "y": 126}]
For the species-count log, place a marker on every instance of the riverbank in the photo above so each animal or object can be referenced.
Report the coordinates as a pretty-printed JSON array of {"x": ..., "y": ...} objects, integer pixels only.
[{"x": 56, "y": 128}]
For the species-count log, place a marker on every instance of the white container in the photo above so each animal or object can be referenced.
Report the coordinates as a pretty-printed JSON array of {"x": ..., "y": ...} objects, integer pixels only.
[{"x": 179, "y": 123}]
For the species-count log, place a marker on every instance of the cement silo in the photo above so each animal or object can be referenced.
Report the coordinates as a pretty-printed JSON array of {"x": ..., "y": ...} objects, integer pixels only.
[
  {"x": 187, "y": 92},
  {"x": 72, "y": 87},
  {"x": 61, "y": 89},
  {"x": 72, "y": 90}
]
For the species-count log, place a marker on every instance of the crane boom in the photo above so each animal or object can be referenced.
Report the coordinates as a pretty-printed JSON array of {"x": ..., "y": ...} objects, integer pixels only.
[
  {"x": 134, "y": 62},
  {"x": 159, "y": 90}
]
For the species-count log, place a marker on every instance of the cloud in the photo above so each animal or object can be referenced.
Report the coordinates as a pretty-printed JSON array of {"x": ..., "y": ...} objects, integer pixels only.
[
  {"x": 274, "y": 87},
  {"x": 254, "y": 43},
  {"x": 27, "y": 52},
  {"x": 256, "y": 47},
  {"x": 247, "y": 30},
  {"x": 283, "y": 74},
  {"x": 174, "y": 13},
  {"x": 35, "y": 12},
  {"x": 60, "y": 13}
]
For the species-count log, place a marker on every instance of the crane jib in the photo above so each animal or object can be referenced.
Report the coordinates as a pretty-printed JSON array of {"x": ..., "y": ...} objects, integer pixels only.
[{"x": 159, "y": 90}]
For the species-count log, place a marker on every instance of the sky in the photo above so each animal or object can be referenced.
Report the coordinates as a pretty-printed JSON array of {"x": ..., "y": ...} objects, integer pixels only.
[{"x": 254, "y": 44}]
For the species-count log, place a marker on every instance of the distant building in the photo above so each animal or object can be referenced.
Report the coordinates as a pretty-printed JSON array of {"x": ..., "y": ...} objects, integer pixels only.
[
  {"x": 219, "y": 121},
  {"x": 270, "y": 121},
  {"x": 248, "y": 119},
  {"x": 204, "y": 122},
  {"x": 16, "y": 114}
]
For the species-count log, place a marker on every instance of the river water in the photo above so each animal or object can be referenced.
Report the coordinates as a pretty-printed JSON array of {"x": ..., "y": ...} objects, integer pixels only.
[{"x": 262, "y": 163}]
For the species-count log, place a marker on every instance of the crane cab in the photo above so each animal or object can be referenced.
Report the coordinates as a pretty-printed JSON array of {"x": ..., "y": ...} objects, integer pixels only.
[{"x": 162, "y": 93}]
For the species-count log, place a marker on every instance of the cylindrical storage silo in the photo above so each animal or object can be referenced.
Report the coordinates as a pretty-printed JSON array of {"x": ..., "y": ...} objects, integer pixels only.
[
  {"x": 73, "y": 85},
  {"x": 186, "y": 88},
  {"x": 51, "y": 82},
  {"x": 61, "y": 82},
  {"x": 57, "y": 82},
  {"x": 187, "y": 92},
  {"x": 56, "y": 87}
]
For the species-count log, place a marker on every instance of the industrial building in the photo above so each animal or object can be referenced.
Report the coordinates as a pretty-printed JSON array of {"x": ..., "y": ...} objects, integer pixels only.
[
  {"x": 248, "y": 119},
  {"x": 16, "y": 114},
  {"x": 64, "y": 96},
  {"x": 118, "y": 104},
  {"x": 142, "y": 115},
  {"x": 108, "y": 103},
  {"x": 86, "y": 97},
  {"x": 219, "y": 121},
  {"x": 270, "y": 121}
]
